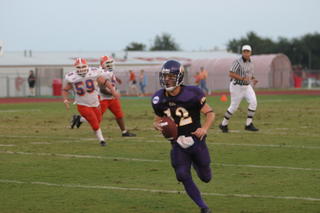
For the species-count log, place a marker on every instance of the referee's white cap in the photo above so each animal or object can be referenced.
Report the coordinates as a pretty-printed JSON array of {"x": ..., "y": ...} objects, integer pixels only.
[{"x": 246, "y": 47}]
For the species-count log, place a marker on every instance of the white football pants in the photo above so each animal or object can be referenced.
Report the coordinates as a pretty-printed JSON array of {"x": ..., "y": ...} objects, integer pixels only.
[{"x": 238, "y": 92}]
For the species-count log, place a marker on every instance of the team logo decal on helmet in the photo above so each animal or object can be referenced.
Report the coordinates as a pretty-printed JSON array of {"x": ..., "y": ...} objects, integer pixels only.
[
  {"x": 81, "y": 66},
  {"x": 171, "y": 75},
  {"x": 106, "y": 62}
]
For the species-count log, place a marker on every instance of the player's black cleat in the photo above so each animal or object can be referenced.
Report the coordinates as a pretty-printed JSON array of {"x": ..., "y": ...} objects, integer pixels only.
[
  {"x": 128, "y": 134},
  {"x": 102, "y": 143},
  {"x": 78, "y": 122},
  {"x": 206, "y": 210},
  {"x": 73, "y": 121},
  {"x": 251, "y": 127},
  {"x": 224, "y": 129}
]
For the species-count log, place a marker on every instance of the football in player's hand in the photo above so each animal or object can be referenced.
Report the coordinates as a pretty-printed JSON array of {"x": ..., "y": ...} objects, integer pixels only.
[
  {"x": 105, "y": 90},
  {"x": 169, "y": 128}
]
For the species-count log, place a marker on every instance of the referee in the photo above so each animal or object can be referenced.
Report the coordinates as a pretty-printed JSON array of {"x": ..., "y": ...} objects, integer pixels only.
[{"x": 241, "y": 74}]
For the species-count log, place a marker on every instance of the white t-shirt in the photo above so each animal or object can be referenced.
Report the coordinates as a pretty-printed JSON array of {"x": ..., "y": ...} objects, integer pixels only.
[
  {"x": 106, "y": 74},
  {"x": 85, "y": 87}
]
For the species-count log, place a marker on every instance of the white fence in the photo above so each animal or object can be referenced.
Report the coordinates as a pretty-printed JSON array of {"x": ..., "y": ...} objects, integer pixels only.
[{"x": 13, "y": 81}]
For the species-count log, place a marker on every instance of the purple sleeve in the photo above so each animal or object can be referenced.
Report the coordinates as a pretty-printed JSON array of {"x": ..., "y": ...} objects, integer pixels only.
[
  {"x": 200, "y": 97},
  {"x": 157, "y": 106},
  {"x": 157, "y": 111}
]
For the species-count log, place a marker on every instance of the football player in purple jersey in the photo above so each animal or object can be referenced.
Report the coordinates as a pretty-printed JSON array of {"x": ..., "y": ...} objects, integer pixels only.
[{"x": 184, "y": 104}]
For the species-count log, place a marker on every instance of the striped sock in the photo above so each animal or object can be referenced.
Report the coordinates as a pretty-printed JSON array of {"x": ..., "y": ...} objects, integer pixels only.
[
  {"x": 250, "y": 116},
  {"x": 226, "y": 118}
]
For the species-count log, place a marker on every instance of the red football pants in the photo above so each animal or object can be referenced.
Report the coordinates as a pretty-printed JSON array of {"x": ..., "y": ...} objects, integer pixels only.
[
  {"x": 113, "y": 105},
  {"x": 92, "y": 115}
]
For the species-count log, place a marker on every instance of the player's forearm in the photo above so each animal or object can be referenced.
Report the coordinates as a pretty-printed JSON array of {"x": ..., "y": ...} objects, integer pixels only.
[
  {"x": 156, "y": 122},
  {"x": 108, "y": 85},
  {"x": 65, "y": 94},
  {"x": 210, "y": 116}
]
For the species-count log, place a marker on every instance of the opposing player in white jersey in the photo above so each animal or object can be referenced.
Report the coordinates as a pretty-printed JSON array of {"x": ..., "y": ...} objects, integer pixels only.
[
  {"x": 241, "y": 74},
  {"x": 107, "y": 100},
  {"x": 83, "y": 82}
]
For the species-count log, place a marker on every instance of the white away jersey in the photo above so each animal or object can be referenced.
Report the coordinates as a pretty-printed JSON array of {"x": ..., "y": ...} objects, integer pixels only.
[
  {"x": 85, "y": 87},
  {"x": 110, "y": 76}
]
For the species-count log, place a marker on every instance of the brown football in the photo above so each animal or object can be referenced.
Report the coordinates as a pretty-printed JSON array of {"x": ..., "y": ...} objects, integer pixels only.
[
  {"x": 105, "y": 90},
  {"x": 169, "y": 128}
]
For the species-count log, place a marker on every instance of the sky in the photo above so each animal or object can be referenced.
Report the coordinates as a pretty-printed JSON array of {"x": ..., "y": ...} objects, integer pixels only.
[{"x": 105, "y": 25}]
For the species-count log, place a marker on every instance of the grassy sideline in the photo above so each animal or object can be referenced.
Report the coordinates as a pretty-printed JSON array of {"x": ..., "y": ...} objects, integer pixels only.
[{"x": 57, "y": 169}]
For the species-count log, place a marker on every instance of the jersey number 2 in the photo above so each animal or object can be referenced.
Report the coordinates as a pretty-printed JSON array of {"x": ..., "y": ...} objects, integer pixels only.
[
  {"x": 89, "y": 85},
  {"x": 182, "y": 113}
]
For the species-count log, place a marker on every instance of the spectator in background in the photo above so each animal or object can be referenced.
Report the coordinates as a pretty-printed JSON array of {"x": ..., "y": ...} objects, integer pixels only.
[
  {"x": 132, "y": 83},
  {"x": 32, "y": 83},
  {"x": 203, "y": 80},
  {"x": 19, "y": 82},
  {"x": 197, "y": 79},
  {"x": 142, "y": 82}
]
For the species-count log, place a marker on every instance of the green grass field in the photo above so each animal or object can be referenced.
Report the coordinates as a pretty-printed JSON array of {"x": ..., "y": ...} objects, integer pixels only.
[{"x": 46, "y": 167}]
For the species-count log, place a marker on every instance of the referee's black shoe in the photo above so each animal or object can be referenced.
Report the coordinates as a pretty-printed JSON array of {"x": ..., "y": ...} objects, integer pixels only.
[
  {"x": 102, "y": 143},
  {"x": 251, "y": 127},
  {"x": 224, "y": 129}
]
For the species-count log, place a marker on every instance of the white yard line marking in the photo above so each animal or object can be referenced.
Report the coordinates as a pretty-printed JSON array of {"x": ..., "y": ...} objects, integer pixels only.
[
  {"x": 157, "y": 190},
  {"x": 87, "y": 139},
  {"x": 241, "y": 144},
  {"x": 152, "y": 160},
  {"x": 266, "y": 145},
  {"x": 74, "y": 140},
  {"x": 40, "y": 143},
  {"x": 7, "y": 145},
  {"x": 267, "y": 167},
  {"x": 36, "y": 136},
  {"x": 21, "y": 110},
  {"x": 81, "y": 156},
  {"x": 281, "y": 128}
]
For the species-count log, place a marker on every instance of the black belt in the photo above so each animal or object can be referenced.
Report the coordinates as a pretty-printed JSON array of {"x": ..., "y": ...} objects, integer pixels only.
[{"x": 241, "y": 84}]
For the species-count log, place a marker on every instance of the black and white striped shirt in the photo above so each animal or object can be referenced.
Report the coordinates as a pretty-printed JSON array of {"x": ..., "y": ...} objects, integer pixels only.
[{"x": 243, "y": 68}]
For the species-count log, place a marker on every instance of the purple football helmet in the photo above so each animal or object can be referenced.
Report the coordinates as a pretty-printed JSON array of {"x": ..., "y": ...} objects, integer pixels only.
[{"x": 171, "y": 75}]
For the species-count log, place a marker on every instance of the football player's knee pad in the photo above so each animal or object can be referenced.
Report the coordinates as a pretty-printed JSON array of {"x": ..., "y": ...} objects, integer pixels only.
[
  {"x": 182, "y": 175},
  {"x": 233, "y": 108},
  {"x": 119, "y": 117},
  {"x": 205, "y": 174},
  {"x": 253, "y": 105},
  {"x": 206, "y": 178},
  {"x": 95, "y": 127},
  {"x": 118, "y": 114}
]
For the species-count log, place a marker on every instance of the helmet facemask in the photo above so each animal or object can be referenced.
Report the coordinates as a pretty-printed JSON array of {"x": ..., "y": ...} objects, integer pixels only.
[
  {"x": 82, "y": 69},
  {"x": 81, "y": 66},
  {"x": 108, "y": 65},
  {"x": 106, "y": 62},
  {"x": 170, "y": 80}
]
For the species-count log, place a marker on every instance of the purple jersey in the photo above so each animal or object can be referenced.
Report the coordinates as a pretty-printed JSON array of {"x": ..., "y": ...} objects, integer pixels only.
[{"x": 184, "y": 108}]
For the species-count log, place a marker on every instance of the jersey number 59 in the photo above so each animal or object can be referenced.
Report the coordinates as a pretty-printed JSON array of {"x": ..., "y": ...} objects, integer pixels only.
[{"x": 83, "y": 87}]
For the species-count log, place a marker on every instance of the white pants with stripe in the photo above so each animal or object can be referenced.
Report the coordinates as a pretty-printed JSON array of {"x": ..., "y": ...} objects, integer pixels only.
[{"x": 238, "y": 92}]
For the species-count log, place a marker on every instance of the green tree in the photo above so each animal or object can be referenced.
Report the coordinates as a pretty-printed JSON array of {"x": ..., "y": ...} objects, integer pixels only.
[
  {"x": 311, "y": 44},
  {"x": 303, "y": 51},
  {"x": 261, "y": 45},
  {"x": 164, "y": 42},
  {"x": 135, "y": 46}
]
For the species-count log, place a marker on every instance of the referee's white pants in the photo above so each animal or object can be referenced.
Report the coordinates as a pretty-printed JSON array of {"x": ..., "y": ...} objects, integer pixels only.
[{"x": 238, "y": 92}]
